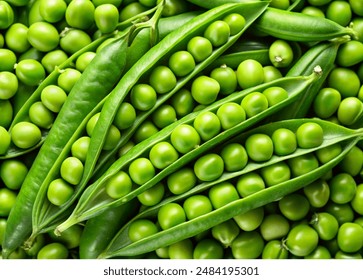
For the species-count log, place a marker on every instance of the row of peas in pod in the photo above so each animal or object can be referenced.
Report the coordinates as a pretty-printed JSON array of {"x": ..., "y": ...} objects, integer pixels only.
[{"x": 191, "y": 130}]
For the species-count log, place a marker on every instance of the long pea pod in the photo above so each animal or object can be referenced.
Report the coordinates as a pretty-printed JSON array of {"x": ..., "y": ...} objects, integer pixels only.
[
  {"x": 122, "y": 246},
  {"x": 94, "y": 200},
  {"x": 96, "y": 82}
]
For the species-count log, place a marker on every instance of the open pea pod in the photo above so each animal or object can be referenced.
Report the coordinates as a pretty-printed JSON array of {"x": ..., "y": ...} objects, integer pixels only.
[
  {"x": 94, "y": 199},
  {"x": 174, "y": 41},
  {"x": 122, "y": 246}
]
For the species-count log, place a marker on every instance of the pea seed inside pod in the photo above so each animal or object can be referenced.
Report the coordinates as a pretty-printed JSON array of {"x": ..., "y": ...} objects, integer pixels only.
[
  {"x": 259, "y": 147},
  {"x": 309, "y": 135},
  {"x": 281, "y": 54}
]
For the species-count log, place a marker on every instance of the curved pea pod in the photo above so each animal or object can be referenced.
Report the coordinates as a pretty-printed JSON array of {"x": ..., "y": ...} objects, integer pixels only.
[
  {"x": 122, "y": 246},
  {"x": 94, "y": 200},
  {"x": 95, "y": 83}
]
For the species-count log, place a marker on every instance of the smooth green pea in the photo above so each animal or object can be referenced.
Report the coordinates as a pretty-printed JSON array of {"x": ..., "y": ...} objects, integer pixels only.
[
  {"x": 181, "y": 250},
  {"x": 294, "y": 206},
  {"x": 357, "y": 201},
  {"x": 350, "y": 237},
  {"x": 53, "y": 98},
  {"x": 143, "y": 97},
  {"x": 250, "y": 73},
  {"x": 106, "y": 17},
  {"x": 344, "y": 213},
  {"x": 72, "y": 40},
  {"x": 68, "y": 78},
  {"x": 352, "y": 163},
  {"x": 164, "y": 115},
  {"x": 274, "y": 226},
  {"x": 80, "y": 14},
  {"x": 271, "y": 73},
  {"x": 53, "y": 59},
  {"x": 350, "y": 53},
  {"x": 40, "y": 115},
  {"x": 217, "y": 33},
  {"x": 226, "y": 232},
  {"x": 13, "y": 173},
  {"x": 163, "y": 154},
  {"x": 326, "y": 102},
  {"x": 302, "y": 240},
  {"x": 8, "y": 60},
  {"x": 80, "y": 147},
  {"x": 208, "y": 249},
  {"x": 162, "y": 79},
  {"x": 275, "y": 95},
  {"x": 250, "y": 220},
  {"x": 276, "y": 173},
  {"x": 185, "y": 138},
  {"x": 59, "y": 192},
  {"x": 259, "y": 147},
  {"x": 181, "y": 180},
  {"x": 181, "y": 63},
  {"x": 344, "y": 80},
  {"x": 5, "y": 140},
  {"x": 200, "y": 48},
  {"x": 226, "y": 77},
  {"x": 347, "y": 256},
  {"x": 207, "y": 124},
  {"x": 70, "y": 237},
  {"x": 125, "y": 148},
  {"x": 205, "y": 90},
  {"x": 236, "y": 22},
  {"x": 125, "y": 116},
  {"x": 329, "y": 153},
  {"x": 254, "y": 103},
  {"x": 7, "y": 200},
  {"x": 25, "y": 135},
  {"x": 8, "y": 85},
  {"x": 222, "y": 193},
  {"x": 320, "y": 252},
  {"x": 2, "y": 230},
  {"x": 84, "y": 60},
  {"x": 183, "y": 102},
  {"x": 249, "y": 183},
  {"x": 72, "y": 170},
  {"x": 274, "y": 249},
  {"x": 247, "y": 245},
  {"x": 170, "y": 215},
  {"x": 340, "y": 12},
  {"x": 113, "y": 136},
  {"x": 152, "y": 196},
  {"x": 342, "y": 188},
  {"x": 130, "y": 10},
  {"x": 309, "y": 135},
  {"x": 43, "y": 36},
  {"x": 325, "y": 224},
  {"x": 141, "y": 170},
  {"x": 349, "y": 110},
  {"x": 234, "y": 156},
  {"x": 29, "y": 71},
  {"x": 6, "y": 15},
  {"x": 140, "y": 229},
  {"x": 92, "y": 123},
  {"x": 144, "y": 131},
  {"x": 6, "y": 113},
  {"x": 303, "y": 164},
  {"x": 357, "y": 7},
  {"x": 197, "y": 205},
  {"x": 209, "y": 167},
  {"x": 284, "y": 141},
  {"x": 53, "y": 250},
  {"x": 118, "y": 185},
  {"x": 16, "y": 38},
  {"x": 231, "y": 114},
  {"x": 313, "y": 11},
  {"x": 280, "y": 53},
  {"x": 317, "y": 193},
  {"x": 52, "y": 10}
]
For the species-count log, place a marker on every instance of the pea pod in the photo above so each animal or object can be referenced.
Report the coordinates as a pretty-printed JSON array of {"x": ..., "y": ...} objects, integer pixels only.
[
  {"x": 122, "y": 246},
  {"x": 93, "y": 201},
  {"x": 93, "y": 83}
]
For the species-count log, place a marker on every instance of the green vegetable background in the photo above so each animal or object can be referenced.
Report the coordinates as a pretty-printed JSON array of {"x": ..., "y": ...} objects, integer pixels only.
[{"x": 177, "y": 129}]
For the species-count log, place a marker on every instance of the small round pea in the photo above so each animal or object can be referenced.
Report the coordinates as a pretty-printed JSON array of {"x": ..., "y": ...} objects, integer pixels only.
[
  {"x": 72, "y": 170},
  {"x": 250, "y": 73},
  {"x": 8, "y": 85},
  {"x": 317, "y": 193},
  {"x": 40, "y": 115},
  {"x": 163, "y": 154},
  {"x": 222, "y": 193},
  {"x": 247, "y": 245},
  {"x": 140, "y": 229},
  {"x": 164, "y": 115},
  {"x": 209, "y": 167},
  {"x": 143, "y": 97},
  {"x": 271, "y": 73},
  {"x": 254, "y": 103},
  {"x": 53, "y": 97},
  {"x": 53, "y": 59},
  {"x": 25, "y": 135},
  {"x": 302, "y": 240},
  {"x": 130, "y": 10},
  {"x": 153, "y": 195},
  {"x": 326, "y": 102},
  {"x": 231, "y": 114},
  {"x": 207, "y": 124},
  {"x": 276, "y": 173},
  {"x": 6, "y": 15},
  {"x": 309, "y": 135},
  {"x": 208, "y": 249},
  {"x": 113, "y": 136},
  {"x": 5, "y": 140},
  {"x": 13, "y": 173},
  {"x": 144, "y": 131},
  {"x": 325, "y": 224},
  {"x": 294, "y": 206},
  {"x": 185, "y": 138},
  {"x": 284, "y": 141},
  {"x": 344, "y": 213},
  {"x": 352, "y": 163},
  {"x": 349, "y": 110},
  {"x": 205, "y": 90},
  {"x": 170, "y": 215},
  {"x": 72, "y": 40},
  {"x": 80, "y": 14},
  {"x": 342, "y": 188},
  {"x": 6, "y": 113},
  {"x": 8, "y": 60},
  {"x": 80, "y": 147},
  {"x": 200, "y": 48},
  {"x": 250, "y": 220},
  {"x": 181, "y": 250},
  {"x": 7, "y": 201},
  {"x": 303, "y": 164},
  {"x": 259, "y": 147},
  {"x": 274, "y": 249},
  {"x": 29, "y": 71},
  {"x": 357, "y": 201},
  {"x": 225, "y": 232},
  {"x": 52, "y": 10},
  {"x": 275, "y": 95},
  {"x": 68, "y": 78},
  {"x": 274, "y": 226},
  {"x": 181, "y": 181},
  {"x": 236, "y": 22},
  {"x": 59, "y": 192},
  {"x": 141, "y": 170},
  {"x": 16, "y": 38},
  {"x": 162, "y": 79},
  {"x": 344, "y": 80},
  {"x": 43, "y": 36},
  {"x": 250, "y": 183},
  {"x": 183, "y": 102},
  {"x": 226, "y": 77},
  {"x": 53, "y": 250},
  {"x": 84, "y": 60},
  {"x": 217, "y": 33},
  {"x": 350, "y": 237},
  {"x": 197, "y": 205},
  {"x": 234, "y": 156},
  {"x": 281, "y": 53},
  {"x": 118, "y": 185},
  {"x": 125, "y": 116},
  {"x": 106, "y": 17},
  {"x": 181, "y": 63}
]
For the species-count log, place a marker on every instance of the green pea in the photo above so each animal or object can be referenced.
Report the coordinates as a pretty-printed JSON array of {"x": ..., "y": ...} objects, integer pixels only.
[
  {"x": 6, "y": 15},
  {"x": 342, "y": 188},
  {"x": 349, "y": 110},
  {"x": 59, "y": 192},
  {"x": 284, "y": 141},
  {"x": 51, "y": 60},
  {"x": 226, "y": 232},
  {"x": 207, "y": 124},
  {"x": 259, "y": 147},
  {"x": 84, "y": 60},
  {"x": 113, "y": 136},
  {"x": 70, "y": 237},
  {"x": 72, "y": 170},
  {"x": 80, "y": 14},
  {"x": 181, "y": 63},
  {"x": 357, "y": 201},
  {"x": 303, "y": 164},
  {"x": 250, "y": 73},
  {"x": 141, "y": 170},
  {"x": 140, "y": 229},
  {"x": 271, "y": 73},
  {"x": 30, "y": 72},
  {"x": 231, "y": 114},
  {"x": 217, "y": 33},
  {"x": 53, "y": 98},
  {"x": 8, "y": 85},
  {"x": 68, "y": 78},
  {"x": 7, "y": 200},
  {"x": 143, "y": 97},
  {"x": 222, "y": 193},
  {"x": 313, "y": 11},
  {"x": 250, "y": 220},
  {"x": 5, "y": 140},
  {"x": 350, "y": 237},
  {"x": 349, "y": 256},
  {"x": 274, "y": 249},
  {"x": 294, "y": 206},
  {"x": 106, "y": 17},
  {"x": 320, "y": 252},
  {"x": 205, "y": 90},
  {"x": 208, "y": 249},
  {"x": 52, "y": 10},
  {"x": 249, "y": 183},
  {"x": 344, "y": 80},
  {"x": 130, "y": 10},
  {"x": 274, "y": 226},
  {"x": 350, "y": 53},
  {"x": 226, "y": 77},
  {"x": 13, "y": 173},
  {"x": 185, "y": 138},
  {"x": 73, "y": 40},
  {"x": 344, "y": 213},
  {"x": 162, "y": 79},
  {"x": 340, "y": 12},
  {"x": 170, "y": 215},
  {"x": 276, "y": 173},
  {"x": 25, "y": 135},
  {"x": 209, "y": 167},
  {"x": 163, "y": 154},
  {"x": 197, "y": 205},
  {"x": 275, "y": 95},
  {"x": 317, "y": 193},
  {"x": 254, "y": 103},
  {"x": 329, "y": 153},
  {"x": 144, "y": 131},
  {"x": 200, "y": 48},
  {"x": 53, "y": 250},
  {"x": 164, "y": 115},
  {"x": 80, "y": 147},
  {"x": 183, "y": 102},
  {"x": 2, "y": 230},
  {"x": 236, "y": 22},
  {"x": 118, "y": 185},
  {"x": 153, "y": 195},
  {"x": 234, "y": 156},
  {"x": 309, "y": 135},
  {"x": 181, "y": 250},
  {"x": 43, "y": 36},
  {"x": 6, "y": 113},
  {"x": 16, "y": 38},
  {"x": 125, "y": 116},
  {"x": 302, "y": 240},
  {"x": 181, "y": 180},
  {"x": 41, "y": 115},
  {"x": 352, "y": 163},
  {"x": 247, "y": 245},
  {"x": 325, "y": 224},
  {"x": 8, "y": 60},
  {"x": 281, "y": 54}
]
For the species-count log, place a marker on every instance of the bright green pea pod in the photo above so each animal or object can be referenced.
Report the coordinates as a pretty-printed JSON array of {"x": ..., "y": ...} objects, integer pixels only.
[
  {"x": 122, "y": 246},
  {"x": 93, "y": 200},
  {"x": 95, "y": 83}
]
